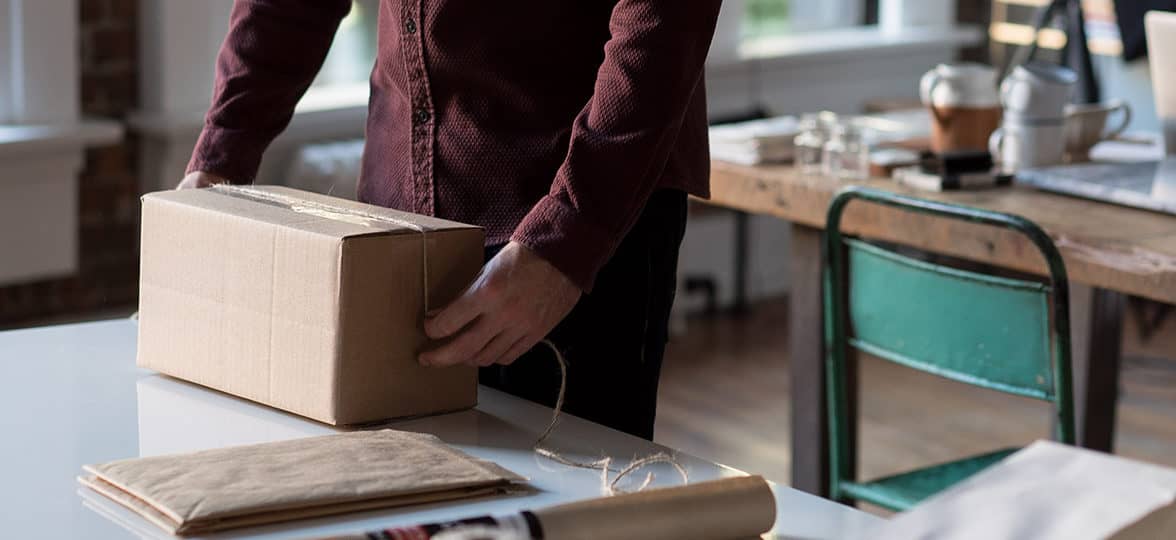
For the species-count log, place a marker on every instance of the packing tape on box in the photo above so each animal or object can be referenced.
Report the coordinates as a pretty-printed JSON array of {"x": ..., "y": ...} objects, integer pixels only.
[{"x": 336, "y": 213}]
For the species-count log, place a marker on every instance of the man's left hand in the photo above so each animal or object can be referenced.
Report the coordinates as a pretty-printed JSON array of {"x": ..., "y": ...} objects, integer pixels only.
[{"x": 513, "y": 303}]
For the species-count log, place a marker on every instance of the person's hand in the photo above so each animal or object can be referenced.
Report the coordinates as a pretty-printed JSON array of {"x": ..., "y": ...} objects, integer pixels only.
[
  {"x": 200, "y": 179},
  {"x": 513, "y": 303}
]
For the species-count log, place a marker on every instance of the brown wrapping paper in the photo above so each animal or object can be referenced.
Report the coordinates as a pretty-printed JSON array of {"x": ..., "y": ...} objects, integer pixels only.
[
  {"x": 730, "y": 508},
  {"x": 258, "y": 484}
]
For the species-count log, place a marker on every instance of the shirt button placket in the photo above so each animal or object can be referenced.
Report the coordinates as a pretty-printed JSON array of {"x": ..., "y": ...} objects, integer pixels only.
[{"x": 422, "y": 128}]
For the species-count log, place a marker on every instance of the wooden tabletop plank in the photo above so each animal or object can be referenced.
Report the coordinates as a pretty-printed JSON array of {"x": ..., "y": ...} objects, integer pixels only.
[{"x": 1104, "y": 245}]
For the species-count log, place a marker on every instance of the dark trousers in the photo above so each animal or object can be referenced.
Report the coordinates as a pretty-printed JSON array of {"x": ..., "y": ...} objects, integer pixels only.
[{"x": 614, "y": 339}]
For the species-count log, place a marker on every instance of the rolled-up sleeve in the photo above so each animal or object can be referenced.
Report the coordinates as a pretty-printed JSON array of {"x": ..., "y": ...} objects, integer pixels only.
[
  {"x": 269, "y": 58},
  {"x": 620, "y": 141}
]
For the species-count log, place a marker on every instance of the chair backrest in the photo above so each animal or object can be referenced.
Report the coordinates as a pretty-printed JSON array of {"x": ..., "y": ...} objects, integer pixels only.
[
  {"x": 1005, "y": 334},
  {"x": 979, "y": 329}
]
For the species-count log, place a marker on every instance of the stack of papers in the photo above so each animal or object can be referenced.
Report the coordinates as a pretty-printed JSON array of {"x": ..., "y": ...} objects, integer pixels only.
[
  {"x": 756, "y": 141},
  {"x": 770, "y": 140}
]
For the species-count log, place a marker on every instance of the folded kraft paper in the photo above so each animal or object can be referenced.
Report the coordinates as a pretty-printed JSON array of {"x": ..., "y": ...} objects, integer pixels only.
[{"x": 226, "y": 488}]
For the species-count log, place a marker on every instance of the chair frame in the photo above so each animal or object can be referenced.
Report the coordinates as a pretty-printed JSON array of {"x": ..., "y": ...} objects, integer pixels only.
[{"x": 837, "y": 319}]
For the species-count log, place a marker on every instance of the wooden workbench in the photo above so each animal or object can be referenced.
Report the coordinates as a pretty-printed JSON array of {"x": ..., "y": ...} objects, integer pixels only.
[{"x": 1109, "y": 251}]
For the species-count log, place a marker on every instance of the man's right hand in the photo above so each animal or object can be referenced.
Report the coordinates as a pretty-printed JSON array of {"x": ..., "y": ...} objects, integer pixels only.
[{"x": 200, "y": 179}]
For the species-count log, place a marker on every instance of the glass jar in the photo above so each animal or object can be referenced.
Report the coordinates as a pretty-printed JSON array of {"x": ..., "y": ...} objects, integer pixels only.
[
  {"x": 846, "y": 156},
  {"x": 809, "y": 144}
]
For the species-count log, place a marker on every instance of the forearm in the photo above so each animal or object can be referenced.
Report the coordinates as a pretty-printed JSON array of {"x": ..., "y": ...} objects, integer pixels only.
[
  {"x": 273, "y": 50},
  {"x": 622, "y": 138}
]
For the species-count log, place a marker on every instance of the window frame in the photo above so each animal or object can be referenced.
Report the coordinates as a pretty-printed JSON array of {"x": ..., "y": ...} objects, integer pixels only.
[
  {"x": 8, "y": 45},
  {"x": 38, "y": 62},
  {"x": 337, "y": 86},
  {"x": 833, "y": 14},
  {"x": 729, "y": 36},
  {"x": 42, "y": 139}
]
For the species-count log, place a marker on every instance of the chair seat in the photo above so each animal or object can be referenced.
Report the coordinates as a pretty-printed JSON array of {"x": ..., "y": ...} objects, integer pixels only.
[{"x": 902, "y": 491}]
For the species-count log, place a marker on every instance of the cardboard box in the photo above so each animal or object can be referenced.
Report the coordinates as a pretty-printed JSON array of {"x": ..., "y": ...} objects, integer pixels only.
[{"x": 300, "y": 301}]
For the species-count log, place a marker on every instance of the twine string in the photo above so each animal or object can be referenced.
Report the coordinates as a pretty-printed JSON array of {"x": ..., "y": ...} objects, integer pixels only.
[{"x": 604, "y": 465}]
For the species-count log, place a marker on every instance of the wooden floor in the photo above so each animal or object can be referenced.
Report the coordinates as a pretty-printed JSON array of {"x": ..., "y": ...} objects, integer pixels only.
[{"x": 725, "y": 396}]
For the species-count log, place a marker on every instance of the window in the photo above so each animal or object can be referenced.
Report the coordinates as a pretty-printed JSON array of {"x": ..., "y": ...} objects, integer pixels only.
[
  {"x": 38, "y": 62},
  {"x": 765, "y": 18},
  {"x": 10, "y": 43},
  {"x": 354, "y": 50},
  {"x": 768, "y": 18},
  {"x": 343, "y": 79}
]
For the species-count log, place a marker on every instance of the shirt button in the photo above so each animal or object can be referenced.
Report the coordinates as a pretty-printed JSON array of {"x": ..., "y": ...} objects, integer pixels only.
[
  {"x": 421, "y": 116},
  {"x": 409, "y": 26}
]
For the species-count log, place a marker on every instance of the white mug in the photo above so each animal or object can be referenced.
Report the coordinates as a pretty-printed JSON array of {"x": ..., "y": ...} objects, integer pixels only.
[
  {"x": 1086, "y": 126},
  {"x": 1024, "y": 145},
  {"x": 1037, "y": 90}
]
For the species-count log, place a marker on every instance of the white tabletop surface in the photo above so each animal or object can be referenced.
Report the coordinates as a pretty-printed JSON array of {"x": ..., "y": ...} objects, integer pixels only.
[{"x": 71, "y": 395}]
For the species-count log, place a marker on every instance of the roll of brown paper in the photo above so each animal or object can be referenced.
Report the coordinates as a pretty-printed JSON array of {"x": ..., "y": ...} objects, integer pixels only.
[
  {"x": 730, "y": 508},
  {"x": 727, "y": 509}
]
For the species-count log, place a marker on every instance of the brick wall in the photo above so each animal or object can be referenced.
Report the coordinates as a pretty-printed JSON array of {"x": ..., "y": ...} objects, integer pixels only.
[{"x": 108, "y": 186}]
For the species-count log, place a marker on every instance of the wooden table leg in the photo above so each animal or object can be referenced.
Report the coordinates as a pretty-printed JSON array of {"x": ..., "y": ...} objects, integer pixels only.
[
  {"x": 1096, "y": 317},
  {"x": 810, "y": 441}
]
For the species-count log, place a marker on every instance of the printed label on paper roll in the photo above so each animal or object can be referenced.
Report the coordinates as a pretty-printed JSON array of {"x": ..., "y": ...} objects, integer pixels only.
[{"x": 522, "y": 526}]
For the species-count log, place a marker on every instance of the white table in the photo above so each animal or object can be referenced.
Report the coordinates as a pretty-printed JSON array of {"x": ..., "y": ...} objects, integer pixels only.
[{"x": 71, "y": 395}]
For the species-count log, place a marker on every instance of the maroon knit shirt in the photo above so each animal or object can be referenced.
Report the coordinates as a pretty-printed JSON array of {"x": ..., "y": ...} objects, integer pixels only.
[{"x": 548, "y": 122}]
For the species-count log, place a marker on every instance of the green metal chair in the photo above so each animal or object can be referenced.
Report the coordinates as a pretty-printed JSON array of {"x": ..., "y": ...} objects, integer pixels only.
[{"x": 994, "y": 332}]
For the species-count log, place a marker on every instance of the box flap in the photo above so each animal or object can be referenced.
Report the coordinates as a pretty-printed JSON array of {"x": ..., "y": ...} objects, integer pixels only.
[{"x": 305, "y": 211}]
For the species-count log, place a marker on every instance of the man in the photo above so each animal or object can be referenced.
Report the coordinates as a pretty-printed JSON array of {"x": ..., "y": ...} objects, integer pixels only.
[{"x": 571, "y": 130}]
